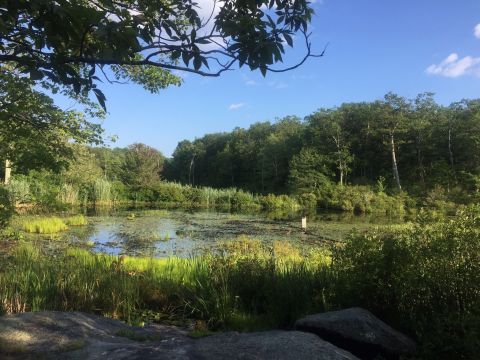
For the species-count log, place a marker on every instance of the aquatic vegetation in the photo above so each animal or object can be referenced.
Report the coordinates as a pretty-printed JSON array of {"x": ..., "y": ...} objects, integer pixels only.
[
  {"x": 155, "y": 212},
  {"x": 69, "y": 194},
  {"x": 102, "y": 191},
  {"x": 49, "y": 225},
  {"x": 76, "y": 220}
]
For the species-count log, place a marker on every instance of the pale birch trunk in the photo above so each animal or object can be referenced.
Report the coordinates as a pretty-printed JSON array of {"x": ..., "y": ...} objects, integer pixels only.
[
  {"x": 394, "y": 163},
  {"x": 8, "y": 171}
]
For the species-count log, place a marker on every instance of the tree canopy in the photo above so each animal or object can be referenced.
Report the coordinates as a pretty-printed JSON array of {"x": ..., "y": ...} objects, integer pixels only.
[
  {"x": 68, "y": 43},
  {"x": 417, "y": 141},
  {"x": 34, "y": 133}
]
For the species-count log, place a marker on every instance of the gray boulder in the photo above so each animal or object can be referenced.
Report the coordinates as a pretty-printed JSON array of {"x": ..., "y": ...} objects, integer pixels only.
[
  {"x": 358, "y": 331},
  {"x": 73, "y": 335},
  {"x": 284, "y": 345}
]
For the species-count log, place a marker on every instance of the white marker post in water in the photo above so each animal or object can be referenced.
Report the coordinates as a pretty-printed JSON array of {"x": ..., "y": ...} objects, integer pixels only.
[{"x": 304, "y": 224}]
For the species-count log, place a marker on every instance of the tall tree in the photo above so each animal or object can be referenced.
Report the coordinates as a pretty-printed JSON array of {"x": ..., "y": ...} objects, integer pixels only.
[
  {"x": 393, "y": 112},
  {"x": 309, "y": 171},
  {"x": 327, "y": 133},
  {"x": 143, "y": 166},
  {"x": 34, "y": 133}
]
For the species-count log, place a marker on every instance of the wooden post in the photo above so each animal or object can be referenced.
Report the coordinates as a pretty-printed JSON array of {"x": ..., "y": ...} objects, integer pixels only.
[{"x": 304, "y": 224}]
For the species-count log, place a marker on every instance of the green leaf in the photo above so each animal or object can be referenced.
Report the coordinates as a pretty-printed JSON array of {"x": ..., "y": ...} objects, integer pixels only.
[
  {"x": 197, "y": 62},
  {"x": 288, "y": 39}
]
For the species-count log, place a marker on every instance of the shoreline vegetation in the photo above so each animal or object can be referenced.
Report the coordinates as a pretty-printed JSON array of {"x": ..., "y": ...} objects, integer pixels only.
[
  {"x": 423, "y": 279},
  {"x": 27, "y": 194}
]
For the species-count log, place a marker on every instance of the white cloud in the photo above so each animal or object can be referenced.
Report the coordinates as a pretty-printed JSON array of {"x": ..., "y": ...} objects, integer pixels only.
[
  {"x": 452, "y": 66},
  {"x": 277, "y": 84},
  {"x": 236, "y": 106},
  {"x": 476, "y": 31}
]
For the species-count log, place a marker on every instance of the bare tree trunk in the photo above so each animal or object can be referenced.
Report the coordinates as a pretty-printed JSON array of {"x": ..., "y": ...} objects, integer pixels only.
[
  {"x": 8, "y": 171},
  {"x": 394, "y": 163},
  {"x": 341, "y": 177},
  {"x": 340, "y": 163}
]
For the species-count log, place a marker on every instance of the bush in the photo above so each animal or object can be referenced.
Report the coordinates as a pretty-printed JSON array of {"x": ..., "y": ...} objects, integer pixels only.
[
  {"x": 6, "y": 207},
  {"x": 169, "y": 193},
  {"x": 19, "y": 189},
  {"x": 278, "y": 202},
  {"x": 424, "y": 279},
  {"x": 243, "y": 200},
  {"x": 361, "y": 199},
  {"x": 308, "y": 200}
]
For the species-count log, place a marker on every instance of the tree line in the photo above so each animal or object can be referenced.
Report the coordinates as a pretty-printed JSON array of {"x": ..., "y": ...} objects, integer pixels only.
[
  {"x": 389, "y": 146},
  {"x": 395, "y": 143}
]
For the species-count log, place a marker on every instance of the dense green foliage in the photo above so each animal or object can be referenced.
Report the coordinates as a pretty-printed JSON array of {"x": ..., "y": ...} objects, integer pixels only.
[
  {"x": 48, "y": 191},
  {"x": 436, "y": 152},
  {"x": 65, "y": 43},
  {"x": 6, "y": 207},
  {"x": 422, "y": 278},
  {"x": 388, "y": 156},
  {"x": 34, "y": 132},
  {"x": 425, "y": 278}
]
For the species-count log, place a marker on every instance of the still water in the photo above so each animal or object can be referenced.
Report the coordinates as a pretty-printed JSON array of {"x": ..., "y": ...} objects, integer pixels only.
[{"x": 164, "y": 233}]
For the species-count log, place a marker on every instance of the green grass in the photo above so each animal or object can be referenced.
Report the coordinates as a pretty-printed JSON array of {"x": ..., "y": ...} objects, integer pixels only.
[
  {"x": 76, "y": 220},
  {"x": 423, "y": 279},
  {"x": 44, "y": 225}
]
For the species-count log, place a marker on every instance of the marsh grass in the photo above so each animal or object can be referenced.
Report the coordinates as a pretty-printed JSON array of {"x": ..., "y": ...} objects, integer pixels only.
[
  {"x": 423, "y": 279},
  {"x": 246, "y": 290},
  {"x": 49, "y": 225},
  {"x": 77, "y": 220}
]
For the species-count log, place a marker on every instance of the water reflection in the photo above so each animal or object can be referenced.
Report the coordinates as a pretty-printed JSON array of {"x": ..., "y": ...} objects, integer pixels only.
[{"x": 163, "y": 233}]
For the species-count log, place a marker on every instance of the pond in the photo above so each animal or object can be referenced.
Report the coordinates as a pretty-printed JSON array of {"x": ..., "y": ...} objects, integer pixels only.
[{"x": 164, "y": 233}]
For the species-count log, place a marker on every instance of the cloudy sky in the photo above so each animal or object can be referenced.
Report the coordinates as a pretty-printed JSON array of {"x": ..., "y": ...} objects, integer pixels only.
[{"x": 375, "y": 46}]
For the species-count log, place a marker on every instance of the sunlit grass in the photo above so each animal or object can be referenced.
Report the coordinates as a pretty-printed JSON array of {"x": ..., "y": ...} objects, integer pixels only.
[
  {"x": 76, "y": 220},
  {"x": 44, "y": 225}
]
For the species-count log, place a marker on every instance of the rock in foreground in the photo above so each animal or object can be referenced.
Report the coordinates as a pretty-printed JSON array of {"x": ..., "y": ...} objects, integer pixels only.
[
  {"x": 285, "y": 345},
  {"x": 360, "y": 332},
  {"x": 73, "y": 335}
]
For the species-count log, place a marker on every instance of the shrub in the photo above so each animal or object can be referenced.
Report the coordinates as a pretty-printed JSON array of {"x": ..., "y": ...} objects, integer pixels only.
[
  {"x": 279, "y": 202},
  {"x": 425, "y": 279},
  {"x": 308, "y": 200},
  {"x": 242, "y": 200},
  {"x": 6, "y": 207},
  {"x": 19, "y": 189},
  {"x": 169, "y": 193}
]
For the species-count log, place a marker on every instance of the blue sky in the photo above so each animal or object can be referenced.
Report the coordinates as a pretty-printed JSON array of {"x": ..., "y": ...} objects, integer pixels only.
[{"x": 375, "y": 46}]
